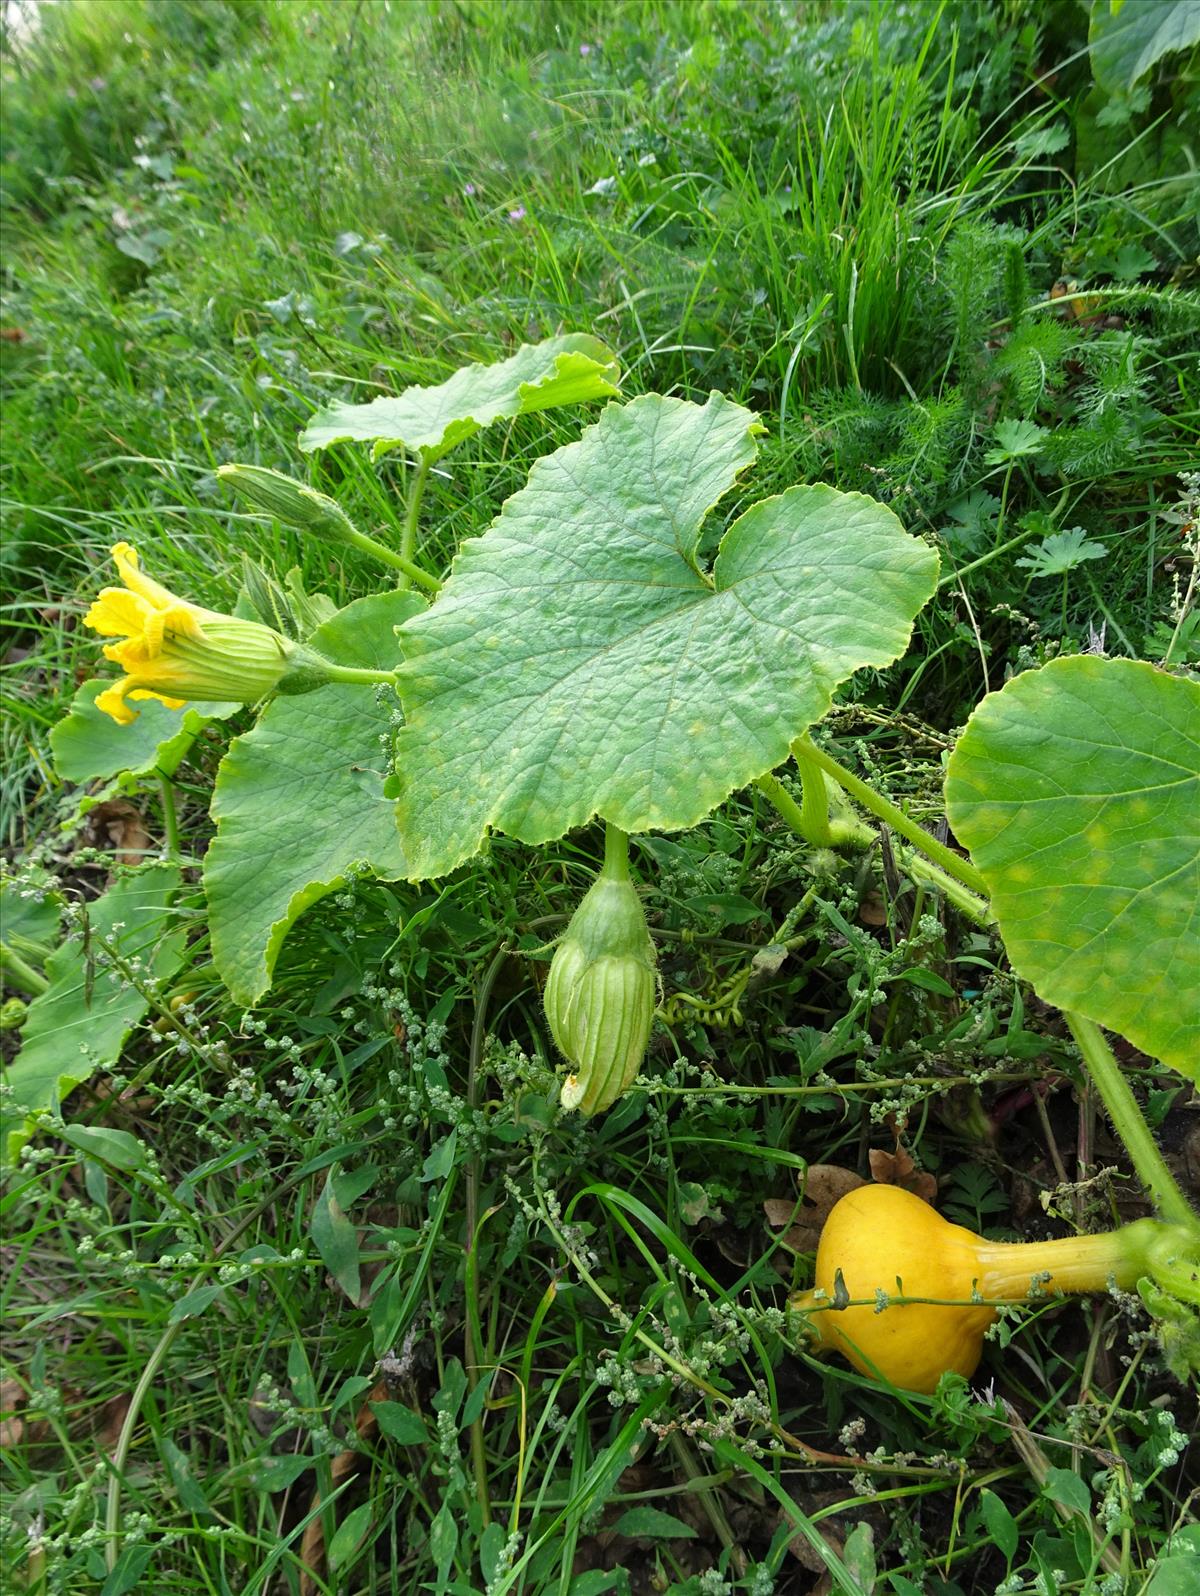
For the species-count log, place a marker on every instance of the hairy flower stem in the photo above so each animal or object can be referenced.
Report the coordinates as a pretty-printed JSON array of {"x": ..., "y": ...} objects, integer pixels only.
[
  {"x": 408, "y": 538},
  {"x": 352, "y": 673},
  {"x": 18, "y": 973},
  {"x": 616, "y": 852},
  {"x": 403, "y": 562},
  {"x": 883, "y": 809},
  {"x": 1130, "y": 1125}
]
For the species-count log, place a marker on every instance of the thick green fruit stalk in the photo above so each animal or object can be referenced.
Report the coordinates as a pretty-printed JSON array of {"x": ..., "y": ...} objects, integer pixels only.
[{"x": 601, "y": 992}]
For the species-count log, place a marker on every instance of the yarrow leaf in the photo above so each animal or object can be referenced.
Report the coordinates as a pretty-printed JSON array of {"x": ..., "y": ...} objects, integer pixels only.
[{"x": 580, "y": 660}]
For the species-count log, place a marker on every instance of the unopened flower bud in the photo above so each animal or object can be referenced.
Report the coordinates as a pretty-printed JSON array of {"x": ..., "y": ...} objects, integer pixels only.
[
  {"x": 290, "y": 501},
  {"x": 601, "y": 993}
]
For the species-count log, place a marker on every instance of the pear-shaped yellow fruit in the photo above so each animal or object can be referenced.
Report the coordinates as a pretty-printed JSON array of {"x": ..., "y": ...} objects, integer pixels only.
[{"x": 881, "y": 1247}]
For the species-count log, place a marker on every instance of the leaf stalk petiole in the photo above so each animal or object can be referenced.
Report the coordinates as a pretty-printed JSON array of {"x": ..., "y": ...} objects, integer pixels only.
[{"x": 1130, "y": 1125}]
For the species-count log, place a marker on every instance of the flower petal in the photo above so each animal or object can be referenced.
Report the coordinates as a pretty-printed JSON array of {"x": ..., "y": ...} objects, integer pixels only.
[
  {"x": 137, "y": 582},
  {"x": 117, "y": 613},
  {"x": 112, "y": 702},
  {"x": 144, "y": 692}
]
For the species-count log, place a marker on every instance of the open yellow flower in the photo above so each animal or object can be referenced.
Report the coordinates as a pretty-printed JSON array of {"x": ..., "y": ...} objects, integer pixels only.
[{"x": 174, "y": 651}]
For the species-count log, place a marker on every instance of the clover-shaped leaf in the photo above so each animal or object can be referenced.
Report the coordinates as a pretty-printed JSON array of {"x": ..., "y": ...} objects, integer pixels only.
[
  {"x": 429, "y": 421},
  {"x": 580, "y": 659},
  {"x": 1077, "y": 790}
]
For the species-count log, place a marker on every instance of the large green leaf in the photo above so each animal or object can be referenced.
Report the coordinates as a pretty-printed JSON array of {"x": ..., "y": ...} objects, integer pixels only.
[
  {"x": 79, "y": 1025},
  {"x": 298, "y": 800},
  {"x": 88, "y": 744},
  {"x": 1127, "y": 37},
  {"x": 1077, "y": 790},
  {"x": 580, "y": 660},
  {"x": 430, "y": 421}
]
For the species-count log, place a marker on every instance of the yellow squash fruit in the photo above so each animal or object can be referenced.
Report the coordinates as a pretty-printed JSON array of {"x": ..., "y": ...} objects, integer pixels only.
[{"x": 882, "y": 1247}]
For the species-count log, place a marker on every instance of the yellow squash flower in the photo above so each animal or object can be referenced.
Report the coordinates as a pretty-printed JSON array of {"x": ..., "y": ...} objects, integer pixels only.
[{"x": 173, "y": 650}]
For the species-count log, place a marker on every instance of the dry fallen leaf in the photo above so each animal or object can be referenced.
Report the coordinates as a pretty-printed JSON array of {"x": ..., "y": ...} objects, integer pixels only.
[
  {"x": 824, "y": 1185},
  {"x": 898, "y": 1169},
  {"x": 12, "y": 1425},
  {"x": 118, "y": 824},
  {"x": 312, "y": 1547}
]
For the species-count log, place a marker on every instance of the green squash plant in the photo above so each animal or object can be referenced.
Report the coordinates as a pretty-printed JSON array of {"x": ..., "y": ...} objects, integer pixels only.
[{"x": 586, "y": 659}]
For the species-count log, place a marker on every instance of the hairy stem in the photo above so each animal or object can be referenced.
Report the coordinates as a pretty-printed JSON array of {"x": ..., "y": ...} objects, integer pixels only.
[
  {"x": 402, "y": 562},
  {"x": 18, "y": 973},
  {"x": 352, "y": 673},
  {"x": 965, "y": 901},
  {"x": 616, "y": 853},
  {"x": 883, "y": 809},
  {"x": 1129, "y": 1123},
  {"x": 408, "y": 538},
  {"x": 170, "y": 818}
]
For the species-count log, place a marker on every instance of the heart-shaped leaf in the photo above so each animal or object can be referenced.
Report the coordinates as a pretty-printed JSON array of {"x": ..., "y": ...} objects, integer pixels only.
[
  {"x": 298, "y": 800},
  {"x": 1077, "y": 791},
  {"x": 87, "y": 743},
  {"x": 1126, "y": 40},
  {"x": 580, "y": 660},
  {"x": 430, "y": 421}
]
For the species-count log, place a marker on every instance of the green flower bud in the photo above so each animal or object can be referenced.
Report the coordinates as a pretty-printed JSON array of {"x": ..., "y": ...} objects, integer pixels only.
[
  {"x": 291, "y": 502},
  {"x": 601, "y": 992},
  {"x": 12, "y": 1014}
]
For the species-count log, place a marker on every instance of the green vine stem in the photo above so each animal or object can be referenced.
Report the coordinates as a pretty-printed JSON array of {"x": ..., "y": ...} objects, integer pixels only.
[
  {"x": 811, "y": 819},
  {"x": 18, "y": 973},
  {"x": 408, "y": 538},
  {"x": 402, "y": 562},
  {"x": 1130, "y": 1124},
  {"x": 967, "y": 902},
  {"x": 616, "y": 853},
  {"x": 355, "y": 673},
  {"x": 814, "y": 810},
  {"x": 799, "y": 819},
  {"x": 883, "y": 809},
  {"x": 170, "y": 818}
]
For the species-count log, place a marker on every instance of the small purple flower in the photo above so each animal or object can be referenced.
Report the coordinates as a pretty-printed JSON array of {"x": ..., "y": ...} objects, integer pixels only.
[
  {"x": 585, "y": 49},
  {"x": 517, "y": 214},
  {"x": 469, "y": 190}
]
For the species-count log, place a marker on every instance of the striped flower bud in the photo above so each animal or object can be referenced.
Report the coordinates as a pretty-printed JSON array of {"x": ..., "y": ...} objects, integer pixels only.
[
  {"x": 600, "y": 996},
  {"x": 291, "y": 502}
]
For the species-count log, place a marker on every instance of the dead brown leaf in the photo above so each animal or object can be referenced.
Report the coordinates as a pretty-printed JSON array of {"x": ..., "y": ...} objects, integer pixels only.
[
  {"x": 12, "y": 1425},
  {"x": 312, "y": 1547},
  {"x": 117, "y": 824},
  {"x": 872, "y": 910},
  {"x": 897, "y": 1168},
  {"x": 824, "y": 1185}
]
